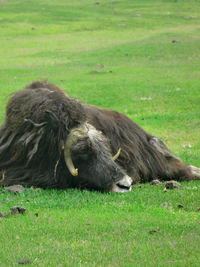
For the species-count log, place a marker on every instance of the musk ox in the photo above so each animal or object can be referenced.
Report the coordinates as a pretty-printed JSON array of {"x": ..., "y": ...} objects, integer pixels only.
[{"x": 50, "y": 140}]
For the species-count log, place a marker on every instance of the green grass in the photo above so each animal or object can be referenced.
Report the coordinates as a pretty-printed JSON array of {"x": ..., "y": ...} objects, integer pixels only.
[
  {"x": 112, "y": 55},
  {"x": 88, "y": 228}
]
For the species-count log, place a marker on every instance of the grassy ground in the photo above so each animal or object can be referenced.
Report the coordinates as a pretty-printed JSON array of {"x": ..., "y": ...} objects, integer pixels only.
[{"x": 140, "y": 58}]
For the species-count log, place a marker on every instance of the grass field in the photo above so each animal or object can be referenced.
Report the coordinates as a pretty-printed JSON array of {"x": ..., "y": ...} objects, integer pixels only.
[{"x": 142, "y": 59}]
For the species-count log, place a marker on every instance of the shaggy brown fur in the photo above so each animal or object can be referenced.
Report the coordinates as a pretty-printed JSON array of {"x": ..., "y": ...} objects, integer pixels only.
[
  {"x": 143, "y": 156},
  {"x": 44, "y": 84},
  {"x": 40, "y": 117},
  {"x": 37, "y": 121}
]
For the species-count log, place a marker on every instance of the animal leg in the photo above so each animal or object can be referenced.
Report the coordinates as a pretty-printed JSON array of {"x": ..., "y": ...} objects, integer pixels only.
[
  {"x": 175, "y": 167},
  {"x": 195, "y": 172}
]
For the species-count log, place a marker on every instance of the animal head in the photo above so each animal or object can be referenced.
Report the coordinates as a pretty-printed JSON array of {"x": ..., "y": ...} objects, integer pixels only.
[{"x": 88, "y": 157}]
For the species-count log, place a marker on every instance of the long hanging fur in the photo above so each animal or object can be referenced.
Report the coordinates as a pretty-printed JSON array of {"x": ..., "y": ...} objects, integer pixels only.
[
  {"x": 40, "y": 117},
  {"x": 143, "y": 156},
  {"x": 36, "y": 123}
]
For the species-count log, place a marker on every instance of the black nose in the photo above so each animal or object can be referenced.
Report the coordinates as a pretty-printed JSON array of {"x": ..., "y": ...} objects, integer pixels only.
[{"x": 123, "y": 186}]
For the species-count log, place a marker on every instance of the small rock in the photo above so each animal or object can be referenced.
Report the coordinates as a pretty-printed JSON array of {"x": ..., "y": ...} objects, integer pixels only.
[
  {"x": 25, "y": 261},
  {"x": 97, "y": 3},
  {"x": 186, "y": 146},
  {"x": 153, "y": 231},
  {"x": 165, "y": 190},
  {"x": 194, "y": 188},
  {"x": 172, "y": 184},
  {"x": 174, "y": 41},
  {"x": 165, "y": 205},
  {"x": 17, "y": 210},
  {"x": 198, "y": 209},
  {"x": 14, "y": 189},
  {"x": 156, "y": 182},
  {"x": 180, "y": 206},
  {"x": 95, "y": 71}
]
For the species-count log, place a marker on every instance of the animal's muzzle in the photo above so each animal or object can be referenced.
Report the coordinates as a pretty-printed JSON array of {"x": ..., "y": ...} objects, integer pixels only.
[{"x": 123, "y": 185}]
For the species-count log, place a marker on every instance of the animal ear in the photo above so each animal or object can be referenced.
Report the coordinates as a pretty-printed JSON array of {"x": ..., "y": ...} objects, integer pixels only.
[{"x": 52, "y": 120}]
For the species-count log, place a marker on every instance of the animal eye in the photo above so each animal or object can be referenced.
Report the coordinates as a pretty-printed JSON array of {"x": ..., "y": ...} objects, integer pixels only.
[
  {"x": 83, "y": 149},
  {"x": 81, "y": 154}
]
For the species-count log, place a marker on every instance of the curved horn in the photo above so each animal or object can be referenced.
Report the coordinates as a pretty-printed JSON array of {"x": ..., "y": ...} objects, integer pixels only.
[
  {"x": 72, "y": 138},
  {"x": 115, "y": 157},
  {"x": 69, "y": 163}
]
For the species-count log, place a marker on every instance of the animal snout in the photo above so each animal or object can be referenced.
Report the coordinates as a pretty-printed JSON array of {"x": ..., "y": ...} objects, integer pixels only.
[{"x": 123, "y": 186}]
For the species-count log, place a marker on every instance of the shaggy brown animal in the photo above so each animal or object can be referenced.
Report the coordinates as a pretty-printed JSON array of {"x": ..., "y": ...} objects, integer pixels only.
[
  {"x": 46, "y": 134},
  {"x": 143, "y": 156}
]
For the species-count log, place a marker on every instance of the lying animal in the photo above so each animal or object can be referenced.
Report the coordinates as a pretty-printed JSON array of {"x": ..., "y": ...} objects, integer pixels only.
[{"x": 50, "y": 140}]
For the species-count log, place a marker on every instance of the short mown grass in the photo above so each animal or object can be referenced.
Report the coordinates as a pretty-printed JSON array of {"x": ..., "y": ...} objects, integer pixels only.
[
  {"x": 71, "y": 228},
  {"x": 142, "y": 59}
]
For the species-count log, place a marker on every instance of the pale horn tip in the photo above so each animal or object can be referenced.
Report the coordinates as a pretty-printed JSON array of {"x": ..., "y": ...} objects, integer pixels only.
[
  {"x": 75, "y": 172},
  {"x": 115, "y": 157}
]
